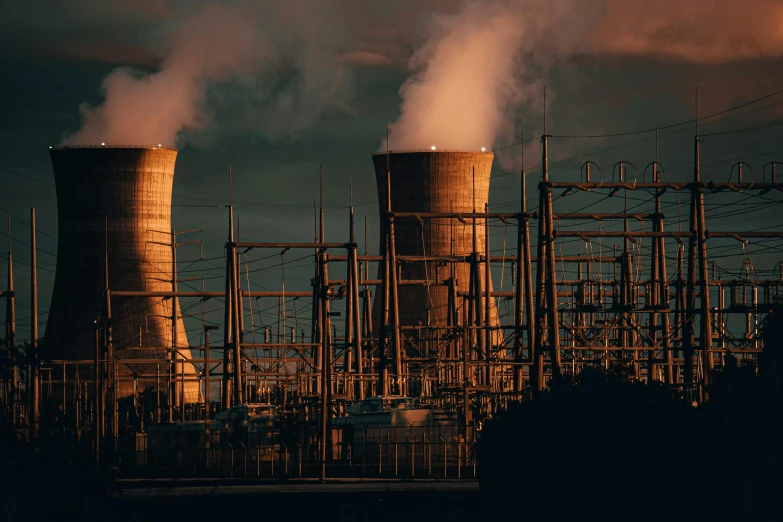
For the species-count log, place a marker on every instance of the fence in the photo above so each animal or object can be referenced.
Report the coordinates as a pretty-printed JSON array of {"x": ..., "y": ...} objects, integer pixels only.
[{"x": 373, "y": 452}]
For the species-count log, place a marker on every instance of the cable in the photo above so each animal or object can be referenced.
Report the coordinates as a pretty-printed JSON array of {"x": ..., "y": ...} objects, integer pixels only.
[
  {"x": 43, "y": 182},
  {"x": 515, "y": 144},
  {"x": 686, "y": 122},
  {"x": 28, "y": 225}
]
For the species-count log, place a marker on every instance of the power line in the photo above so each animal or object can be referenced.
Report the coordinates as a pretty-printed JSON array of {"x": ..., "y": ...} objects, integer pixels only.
[
  {"x": 25, "y": 223},
  {"x": 686, "y": 122},
  {"x": 25, "y": 176}
]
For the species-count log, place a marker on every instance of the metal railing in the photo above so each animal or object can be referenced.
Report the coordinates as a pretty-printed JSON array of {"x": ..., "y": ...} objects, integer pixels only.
[
  {"x": 436, "y": 452},
  {"x": 395, "y": 459}
]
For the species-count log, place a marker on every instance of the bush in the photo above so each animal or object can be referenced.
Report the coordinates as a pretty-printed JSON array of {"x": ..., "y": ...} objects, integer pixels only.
[{"x": 604, "y": 444}]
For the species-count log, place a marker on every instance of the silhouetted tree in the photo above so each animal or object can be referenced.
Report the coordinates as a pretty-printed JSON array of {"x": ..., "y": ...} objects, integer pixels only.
[
  {"x": 771, "y": 357},
  {"x": 604, "y": 444}
]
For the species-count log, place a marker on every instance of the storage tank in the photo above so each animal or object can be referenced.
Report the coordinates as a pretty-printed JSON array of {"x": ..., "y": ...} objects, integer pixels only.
[
  {"x": 114, "y": 209},
  {"x": 434, "y": 181}
]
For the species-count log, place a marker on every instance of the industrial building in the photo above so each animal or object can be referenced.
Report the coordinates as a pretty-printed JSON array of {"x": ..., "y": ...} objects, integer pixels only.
[
  {"x": 440, "y": 182},
  {"x": 425, "y": 335},
  {"x": 114, "y": 233}
]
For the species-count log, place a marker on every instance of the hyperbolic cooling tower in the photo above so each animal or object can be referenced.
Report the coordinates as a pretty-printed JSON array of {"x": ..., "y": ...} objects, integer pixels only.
[
  {"x": 114, "y": 201},
  {"x": 434, "y": 181}
]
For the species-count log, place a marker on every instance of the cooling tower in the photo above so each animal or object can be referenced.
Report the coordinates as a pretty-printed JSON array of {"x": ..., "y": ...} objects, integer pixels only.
[
  {"x": 114, "y": 209},
  {"x": 434, "y": 181}
]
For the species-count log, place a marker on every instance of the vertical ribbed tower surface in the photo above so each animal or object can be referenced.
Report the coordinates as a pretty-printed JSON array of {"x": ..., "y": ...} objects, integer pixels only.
[
  {"x": 132, "y": 188},
  {"x": 434, "y": 181}
]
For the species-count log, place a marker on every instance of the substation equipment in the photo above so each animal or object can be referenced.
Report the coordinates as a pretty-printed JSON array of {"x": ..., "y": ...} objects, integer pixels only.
[{"x": 426, "y": 326}]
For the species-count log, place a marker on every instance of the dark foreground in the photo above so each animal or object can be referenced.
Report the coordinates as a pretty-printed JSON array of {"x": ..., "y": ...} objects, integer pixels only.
[
  {"x": 53, "y": 481},
  {"x": 331, "y": 504},
  {"x": 284, "y": 502}
]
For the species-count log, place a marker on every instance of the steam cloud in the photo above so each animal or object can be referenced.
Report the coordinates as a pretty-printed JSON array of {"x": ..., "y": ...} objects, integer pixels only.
[
  {"x": 478, "y": 66},
  {"x": 464, "y": 80},
  {"x": 479, "y": 62},
  {"x": 245, "y": 49},
  {"x": 712, "y": 31}
]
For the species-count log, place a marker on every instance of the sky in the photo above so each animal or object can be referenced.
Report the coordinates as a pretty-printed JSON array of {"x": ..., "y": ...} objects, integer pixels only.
[{"x": 274, "y": 91}]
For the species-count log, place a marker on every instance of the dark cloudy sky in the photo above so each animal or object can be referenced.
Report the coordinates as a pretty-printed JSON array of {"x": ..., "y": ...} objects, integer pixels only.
[{"x": 318, "y": 82}]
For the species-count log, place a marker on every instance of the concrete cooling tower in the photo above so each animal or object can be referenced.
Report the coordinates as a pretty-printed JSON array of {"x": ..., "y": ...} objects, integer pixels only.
[
  {"x": 434, "y": 181},
  {"x": 115, "y": 203}
]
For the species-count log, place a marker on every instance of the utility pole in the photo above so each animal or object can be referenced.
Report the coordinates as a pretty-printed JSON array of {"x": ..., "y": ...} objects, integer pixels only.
[
  {"x": 10, "y": 329},
  {"x": 35, "y": 370},
  {"x": 98, "y": 413},
  {"x": 395, "y": 300},
  {"x": 207, "y": 329},
  {"x": 175, "y": 396},
  {"x": 386, "y": 274},
  {"x": 228, "y": 325},
  {"x": 326, "y": 344},
  {"x": 239, "y": 326},
  {"x": 487, "y": 300},
  {"x": 173, "y": 391},
  {"x": 315, "y": 337},
  {"x": 524, "y": 310},
  {"x": 367, "y": 313},
  {"x": 551, "y": 287},
  {"x": 518, "y": 309},
  {"x": 350, "y": 356},
  {"x": 475, "y": 310},
  {"x": 353, "y": 328},
  {"x": 546, "y": 278},
  {"x": 110, "y": 372},
  {"x": 179, "y": 370},
  {"x": 326, "y": 385},
  {"x": 705, "y": 319},
  {"x": 689, "y": 337}
]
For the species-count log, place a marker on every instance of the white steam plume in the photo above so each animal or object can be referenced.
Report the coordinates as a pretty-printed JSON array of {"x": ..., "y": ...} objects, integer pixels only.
[
  {"x": 479, "y": 66},
  {"x": 464, "y": 81},
  {"x": 288, "y": 63},
  {"x": 242, "y": 47}
]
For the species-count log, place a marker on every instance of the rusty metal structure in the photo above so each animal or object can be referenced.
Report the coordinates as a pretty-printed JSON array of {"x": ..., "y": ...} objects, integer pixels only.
[
  {"x": 428, "y": 326},
  {"x": 114, "y": 233}
]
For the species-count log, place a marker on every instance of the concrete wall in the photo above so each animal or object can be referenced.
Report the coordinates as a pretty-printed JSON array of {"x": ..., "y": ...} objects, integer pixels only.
[
  {"x": 434, "y": 181},
  {"x": 132, "y": 187}
]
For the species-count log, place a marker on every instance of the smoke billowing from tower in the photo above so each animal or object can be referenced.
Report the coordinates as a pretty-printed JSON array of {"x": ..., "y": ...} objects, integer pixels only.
[
  {"x": 263, "y": 56},
  {"x": 484, "y": 64},
  {"x": 464, "y": 78}
]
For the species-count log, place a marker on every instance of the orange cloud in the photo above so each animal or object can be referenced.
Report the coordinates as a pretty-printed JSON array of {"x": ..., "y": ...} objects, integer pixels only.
[{"x": 366, "y": 58}]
